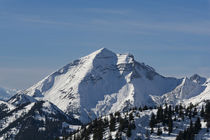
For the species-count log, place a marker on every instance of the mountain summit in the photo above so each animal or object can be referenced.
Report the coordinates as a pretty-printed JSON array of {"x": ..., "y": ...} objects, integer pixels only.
[{"x": 101, "y": 83}]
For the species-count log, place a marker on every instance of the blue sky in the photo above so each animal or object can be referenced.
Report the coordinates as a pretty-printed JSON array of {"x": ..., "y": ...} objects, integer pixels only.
[{"x": 38, "y": 37}]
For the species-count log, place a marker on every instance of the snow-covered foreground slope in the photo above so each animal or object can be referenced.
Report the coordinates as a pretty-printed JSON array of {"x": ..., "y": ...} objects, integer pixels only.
[
  {"x": 6, "y": 93},
  {"x": 135, "y": 125},
  {"x": 101, "y": 83}
]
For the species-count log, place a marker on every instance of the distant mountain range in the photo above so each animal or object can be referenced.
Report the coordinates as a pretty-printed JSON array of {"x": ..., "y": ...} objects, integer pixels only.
[
  {"x": 96, "y": 85},
  {"x": 6, "y": 93}
]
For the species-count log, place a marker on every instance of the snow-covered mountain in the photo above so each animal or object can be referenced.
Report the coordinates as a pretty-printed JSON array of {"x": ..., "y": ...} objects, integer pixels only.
[
  {"x": 21, "y": 99},
  {"x": 6, "y": 93},
  {"x": 95, "y": 85},
  {"x": 101, "y": 83},
  {"x": 202, "y": 96},
  {"x": 189, "y": 89}
]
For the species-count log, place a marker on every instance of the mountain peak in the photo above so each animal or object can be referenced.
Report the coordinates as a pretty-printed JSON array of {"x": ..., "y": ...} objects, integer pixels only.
[
  {"x": 103, "y": 52},
  {"x": 100, "y": 83},
  {"x": 104, "y": 49},
  {"x": 198, "y": 79},
  {"x": 112, "y": 57}
]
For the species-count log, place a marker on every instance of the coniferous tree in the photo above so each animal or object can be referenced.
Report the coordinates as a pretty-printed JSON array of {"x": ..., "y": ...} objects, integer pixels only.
[
  {"x": 128, "y": 133},
  {"x": 98, "y": 130},
  {"x": 202, "y": 112},
  {"x": 152, "y": 122},
  {"x": 180, "y": 136},
  {"x": 174, "y": 117},
  {"x": 150, "y": 107},
  {"x": 170, "y": 125},
  {"x": 190, "y": 113},
  {"x": 198, "y": 125},
  {"x": 159, "y": 117},
  {"x": 180, "y": 106},
  {"x": 123, "y": 123},
  {"x": 195, "y": 112},
  {"x": 152, "y": 130},
  {"x": 191, "y": 125},
  {"x": 170, "y": 110},
  {"x": 159, "y": 131},
  {"x": 117, "y": 114},
  {"x": 145, "y": 108},
  {"x": 131, "y": 117},
  {"x": 181, "y": 113},
  {"x": 165, "y": 115},
  {"x": 112, "y": 123},
  {"x": 177, "y": 109},
  {"x": 207, "y": 108},
  {"x": 166, "y": 110},
  {"x": 207, "y": 114}
]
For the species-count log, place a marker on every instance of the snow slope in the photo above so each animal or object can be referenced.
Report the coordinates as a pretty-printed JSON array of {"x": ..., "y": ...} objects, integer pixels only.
[
  {"x": 204, "y": 95},
  {"x": 142, "y": 128},
  {"x": 101, "y": 83},
  {"x": 194, "y": 90},
  {"x": 188, "y": 89}
]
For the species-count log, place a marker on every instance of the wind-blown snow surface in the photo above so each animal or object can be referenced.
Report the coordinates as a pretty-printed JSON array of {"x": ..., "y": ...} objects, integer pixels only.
[
  {"x": 6, "y": 93},
  {"x": 101, "y": 83}
]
